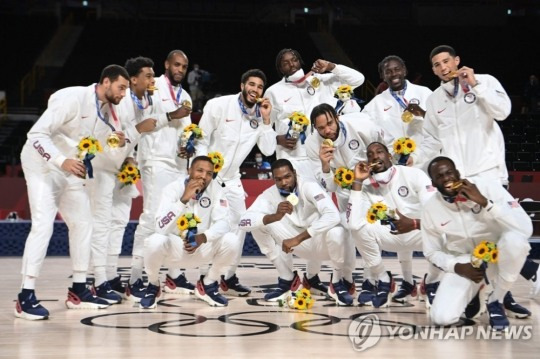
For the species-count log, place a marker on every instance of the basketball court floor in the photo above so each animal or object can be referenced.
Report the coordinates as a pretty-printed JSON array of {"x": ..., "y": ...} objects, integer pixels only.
[{"x": 182, "y": 326}]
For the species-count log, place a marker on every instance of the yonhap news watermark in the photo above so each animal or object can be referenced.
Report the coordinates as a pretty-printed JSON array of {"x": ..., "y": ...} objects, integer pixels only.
[{"x": 366, "y": 331}]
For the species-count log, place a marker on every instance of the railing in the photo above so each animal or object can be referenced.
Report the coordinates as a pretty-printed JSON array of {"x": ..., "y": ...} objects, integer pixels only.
[{"x": 28, "y": 82}]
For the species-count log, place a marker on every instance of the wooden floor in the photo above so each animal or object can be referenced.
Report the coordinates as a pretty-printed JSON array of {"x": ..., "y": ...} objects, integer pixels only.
[{"x": 182, "y": 326}]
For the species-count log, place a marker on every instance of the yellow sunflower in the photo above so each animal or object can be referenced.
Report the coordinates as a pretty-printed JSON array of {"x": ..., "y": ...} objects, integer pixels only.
[
  {"x": 98, "y": 146},
  {"x": 300, "y": 303},
  {"x": 122, "y": 177},
  {"x": 398, "y": 147},
  {"x": 85, "y": 144},
  {"x": 379, "y": 206},
  {"x": 409, "y": 146},
  {"x": 494, "y": 255},
  {"x": 348, "y": 177},
  {"x": 305, "y": 293},
  {"x": 182, "y": 223},
  {"x": 481, "y": 250},
  {"x": 130, "y": 169},
  {"x": 371, "y": 218},
  {"x": 344, "y": 89},
  {"x": 309, "y": 303}
]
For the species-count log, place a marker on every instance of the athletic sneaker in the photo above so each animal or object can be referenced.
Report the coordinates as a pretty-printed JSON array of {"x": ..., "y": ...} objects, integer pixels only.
[
  {"x": 233, "y": 287},
  {"x": 104, "y": 291},
  {"x": 514, "y": 309},
  {"x": 84, "y": 300},
  {"x": 135, "y": 291},
  {"x": 381, "y": 299},
  {"x": 535, "y": 290},
  {"x": 428, "y": 291},
  {"x": 477, "y": 305},
  {"x": 28, "y": 307},
  {"x": 367, "y": 292},
  {"x": 180, "y": 285},
  {"x": 351, "y": 287},
  {"x": 210, "y": 294},
  {"x": 151, "y": 295},
  {"x": 406, "y": 292},
  {"x": 284, "y": 289},
  {"x": 117, "y": 285},
  {"x": 314, "y": 284},
  {"x": 340, "y": 293},
  {"x": 497, "y": 316}
]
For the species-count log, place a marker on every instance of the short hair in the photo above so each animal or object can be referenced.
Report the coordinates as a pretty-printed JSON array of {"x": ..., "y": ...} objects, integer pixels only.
[
  {"x": 135, "y": 65},
  {"x": 253, "y": 73},
  {"x": 442, "y": 48},
  {"x": 112, "y": 72},
  {"x": 438, "y": 159},
  {"x": 378, "y": 143},
  {"x": 388, "y": 59},
  {"x": 202, "y": 158},
  {"x": 283, "y": 162},
  {"x": 322, "y": 109},
  {"x": 280, "y": 56},
  {"x": 171, "y": 54}
]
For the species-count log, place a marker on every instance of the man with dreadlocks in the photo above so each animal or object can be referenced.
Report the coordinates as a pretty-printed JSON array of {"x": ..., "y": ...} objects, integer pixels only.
[{"x": 299, "y": 92}]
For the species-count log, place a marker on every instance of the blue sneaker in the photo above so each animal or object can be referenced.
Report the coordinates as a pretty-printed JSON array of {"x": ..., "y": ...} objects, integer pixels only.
[
  {"x": 340, "y": 293},
  {"x": 210, "y": 294},
  {"x": 314, "y": 284},
  {"x": 477, "y": 306},
  {"x": 428, "y": 291},
  {"x": 135, "y": 291},
  {"x": 497, "y": 316},
  {"x": 117, "y": 285},
  {"x": 513, "y": 309},
  {"x": 84, "y": 300},
  {"x": 366, "y": 293},
  {"x": 351, "y": 287},
  {"x": 406, "y": 292},
  {"x": 151, "y": 295},
  {"x": 180, "y": 285},
  {"x": 284, "y": 289},
  {"x": 29, "y": 308},
  {"x": 381, "y": 299},
  {"x": 104, "y": 291},
  {"x": 233, "y": 287}
]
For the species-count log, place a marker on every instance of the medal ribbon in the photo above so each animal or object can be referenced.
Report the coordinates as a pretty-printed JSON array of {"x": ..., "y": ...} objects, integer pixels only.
[
  {"x": 175, "y": 98},
  {"x": 244, "y": 109},
  {"x": 100, "y": 115},
  {"x": 402, "y": 102},
  {"x": 376, "y": 184},
  {"x": 300, "y": 80}
]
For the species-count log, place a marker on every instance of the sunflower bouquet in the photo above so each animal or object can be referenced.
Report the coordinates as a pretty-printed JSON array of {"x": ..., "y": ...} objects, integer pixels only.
[
  {"x": 403, "y": 147},
  {"x": 191, "y": 133},
  {"x": 484, "y": 253},
  {"x": 380, "y": 212},
  {"x": 301, "y": 299},
  {"x": 86, "y": 150},
  {"x": 344, "y": 177},
  {"x": 187, "y": 227},
  {"x": 217, "y": 160},
  {"x": 344, "y": 90},
  {"x": 128, "y": 175},
  {"x": 297, "y": 126}
]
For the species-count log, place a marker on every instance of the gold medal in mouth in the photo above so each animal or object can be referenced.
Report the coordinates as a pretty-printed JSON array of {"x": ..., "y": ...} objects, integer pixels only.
[
  {"x": 452, "y": 74},
  {"x": 453, "y": 185},
  {"x": 152, "y": 88},
  {"x": 373, "y": 164},
  {"x": 259, "y": 99}
]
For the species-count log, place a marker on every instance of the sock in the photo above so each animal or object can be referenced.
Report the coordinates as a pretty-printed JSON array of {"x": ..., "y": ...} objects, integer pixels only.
[
  {"x": 29, "y": 282},
  {"x": 283, "y": 270},
  {"x": 406, "y": 268},
  {"x": 529, "y": 270},
  {"x": 174, "y": 272},
  {"x": 379, "y": 273},
  {"x": 79, "y": 277},
  {"x": 208, "y": 281},
  {"x": 497, "y": 294},
  {"x": 25, "y": 293},
  {"x": 112, "y": 266},
  {"x": 136, "y": 268},
  {"x": 99, "y": 275},
  {"x": 336, "y": 275},
  {"x": 78, "y": 288}
]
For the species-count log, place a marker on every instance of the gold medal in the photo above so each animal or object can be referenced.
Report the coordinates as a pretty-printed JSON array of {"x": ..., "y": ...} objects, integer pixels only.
[
  {"x": 315, "y": 82},
  {"x": 293, "y": 199},
  {"x": 186, "y": 103},
  {"x": 328, "y": 142},
  {"x": 113, "y": 140},
  {"x": 407, "y": 116}
]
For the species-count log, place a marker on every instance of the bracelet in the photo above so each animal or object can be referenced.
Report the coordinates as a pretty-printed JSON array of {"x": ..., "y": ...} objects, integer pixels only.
[
  {"x": 168, "y": 116},
  {"x": 415, "y": 224},
  {"x": 358, "y": 181}
]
